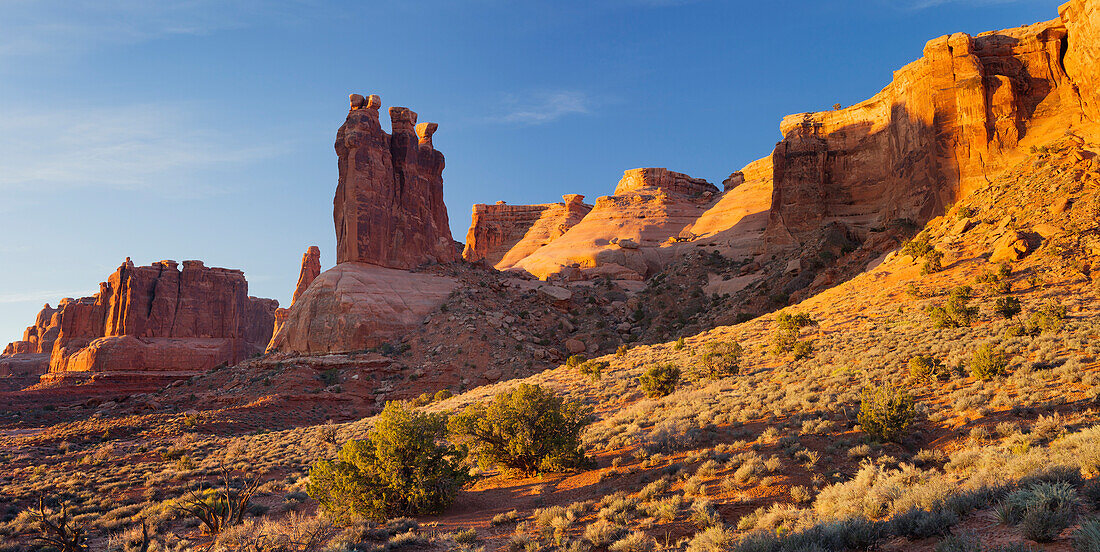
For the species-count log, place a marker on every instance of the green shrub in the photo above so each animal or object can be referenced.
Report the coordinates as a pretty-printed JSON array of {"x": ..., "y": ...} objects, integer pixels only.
[
  {"x": 932, "y": 262},
  {"x": 621, "y": 350},
  {"x": 787, "y": 329},
  {"x": 1048, "y": 318},
  {"x": 660, "y": 380},
  {"x": 593, "y": 369},
  {"x": 917, "y": 247},
  {"x": 988, "y": 362},
  {"x": 802, "y": 349},
  {"x": 575, "y": 360},
  {"x": 527, "y": 430},
  {"x": 680, "y": 344},
  {"x": 1007, "y": 307},
  {"x": 927, "y": 368},
  {"x": 955, "y": 312},
  {"x": 721, "y": 359},
  {"x": 885, "y": 412},
  {"x": 1087, "y": 537},
  {"x": 403, "y": 467}
]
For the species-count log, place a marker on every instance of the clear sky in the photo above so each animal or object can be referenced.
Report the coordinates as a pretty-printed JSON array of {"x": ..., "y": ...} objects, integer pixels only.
[{"x": 203, "y": 129}]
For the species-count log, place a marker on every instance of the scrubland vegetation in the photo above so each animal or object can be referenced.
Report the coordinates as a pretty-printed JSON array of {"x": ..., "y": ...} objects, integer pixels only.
[{"x": 922, "y": 403}]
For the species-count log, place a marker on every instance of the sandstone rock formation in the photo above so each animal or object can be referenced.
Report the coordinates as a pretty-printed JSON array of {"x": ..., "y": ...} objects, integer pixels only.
[
  {"x": 654, "y": 216},
  {"x": 311, "y": 268},
  {"x": 154, "y": 318},
  {"x": 502, "y": 235},
  {"x": 355, "y": 306},
  {"x": 946, "y": 123},
  {"x": 390, "y": 218},
  {"x": 388, "y": 208}
]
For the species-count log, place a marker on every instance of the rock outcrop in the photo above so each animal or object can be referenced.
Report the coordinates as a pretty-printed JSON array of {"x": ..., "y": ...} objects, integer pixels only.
[
  {"x": 947, "y": 123},
  {"x": 388, "y": 208},
  {"x": 626, "y": 235},
  {"x": 501, "y": 235},
  {"x": 390, "y": 218},
  {"x": 1082, "y": 51},
  {"x": 355, "y": 306},
  {"x": 155, "y": 318},
  {"x": 311, "y": 268}
]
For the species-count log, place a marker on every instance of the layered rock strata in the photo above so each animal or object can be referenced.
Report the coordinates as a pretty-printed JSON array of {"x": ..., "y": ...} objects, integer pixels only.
[
  {"x": 155, "y": 318},
  {"x": 388, "y": 208},
  {"x": 501, "y": 235},
  {"x": 390, "y": 218},
  {"x": 948, "y": 122}
]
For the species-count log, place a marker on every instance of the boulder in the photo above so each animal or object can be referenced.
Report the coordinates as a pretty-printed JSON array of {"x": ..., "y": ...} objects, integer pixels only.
[
  {"x": 1010, "y": 247},
  {"x": 575, "y": 346}
]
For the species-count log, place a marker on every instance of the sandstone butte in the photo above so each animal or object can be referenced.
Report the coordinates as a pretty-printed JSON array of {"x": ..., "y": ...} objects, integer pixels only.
[
  {"x": 390, "y": 218},
  {"x": 967, "y": 109},
  {"x": 146, "y": 324},
  {"x": 388, "y": 208}
]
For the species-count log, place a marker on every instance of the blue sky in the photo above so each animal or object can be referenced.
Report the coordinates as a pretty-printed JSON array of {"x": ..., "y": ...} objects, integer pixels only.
[{"x": 203, "y": 129}]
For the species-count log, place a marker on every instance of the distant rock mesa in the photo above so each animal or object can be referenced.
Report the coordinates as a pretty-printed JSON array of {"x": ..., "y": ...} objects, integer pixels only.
[{"x": 150, "y": 322}]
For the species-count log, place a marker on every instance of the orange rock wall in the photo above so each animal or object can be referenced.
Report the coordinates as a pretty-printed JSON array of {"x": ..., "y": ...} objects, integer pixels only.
[
  {"x": 188, "y": 319},
  {"x": 947, "y": 122},
  {"x": 502, "y": 235}
]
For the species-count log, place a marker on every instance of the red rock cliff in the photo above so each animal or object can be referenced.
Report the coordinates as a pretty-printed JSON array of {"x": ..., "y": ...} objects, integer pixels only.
[
  {"x": 388, "y": 208},
  {"x": 502, "y": 235},
  {"x": 948, "y": 121},
  {"x": 173, "y": 320}
]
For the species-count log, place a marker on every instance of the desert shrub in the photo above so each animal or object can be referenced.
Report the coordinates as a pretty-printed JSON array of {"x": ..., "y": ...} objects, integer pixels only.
[
  {"x": 917, "y": 247},
  {"x": 507, "y": 517},
  {"x": 680, "y": 344},
  {"x": 1042, "y": 510},
  {"x": 927, "y": 368},
  {"x": 932, "y": 262},
  {"x": 660, "y": 380},
  {"x": 403, "y": 467},
  {"x": 621, "y": 350},
  {"x": 442, "y": 394},
  {"x": 988, "y": 362},
  {"x": 787, "y": 329},
  {"x": 1048, "y": 318},
  {"x": 885, "y": 412},
  {"x": 802, "y": 349},
  {"x": 965, "y": 542},
  {"x": 1007, "y": 307},
  {"x": 955, "y": 312},
  {"x": 529, "y": 430},
  {"x": 575, "y": 360},
  {"x": 217, "y": 509},
  {"x": 593, "y": 369},
  {"x": 715, "y": 538},
  {"x": 1087, "y": 537},
  {"x": 918, "y": 523},
  {"x": 636, "y": 541},
  {"x": 722, "y": 358},
  {"x": 57, "y": 530}
]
